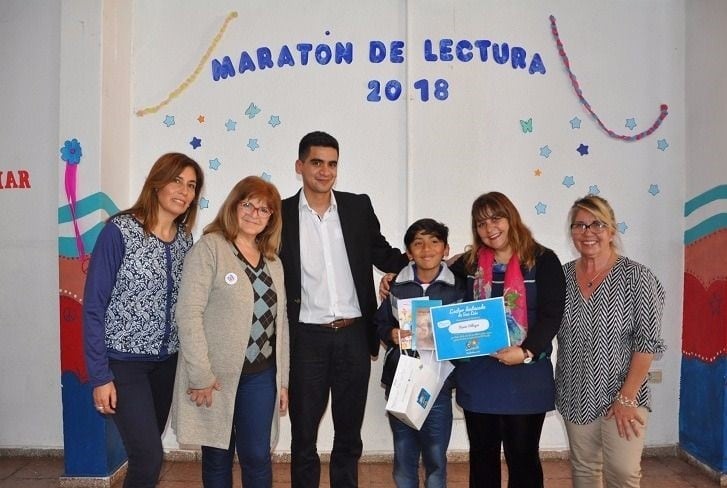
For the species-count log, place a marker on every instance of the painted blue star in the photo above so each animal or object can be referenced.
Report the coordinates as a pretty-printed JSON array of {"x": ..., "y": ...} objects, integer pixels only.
[
  {"x": 545, "y": 151},
  {"x": 169, "y": 120},
  {"x": 215, "y": 164},
  {"x": 266, "y": 176},
  {"x": 575, "y": 123},
  {"x": 622, "y": 227},
  {"x": 252, "y": 144},
  {"x": 568, "y": 181},
  {"x": 662, "y": 144},
  {"x": 582, "y": 149},
  {"x": 540, "y": 208},
  {"x": 195, "y": 142},
  {"x": 231, "y": 125},
  {"x": 204, "y": 203},
  {"x": 274, "y": 120},
  {"x": 593, "y": 190},
  {"x": 631, "y": 123},
  {"x": 654, "y": 190},
  {"x": 252, "y": 111}
]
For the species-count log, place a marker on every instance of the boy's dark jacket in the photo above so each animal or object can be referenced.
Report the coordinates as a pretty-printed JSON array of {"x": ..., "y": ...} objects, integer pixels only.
[{"x": 445, "y": 287}]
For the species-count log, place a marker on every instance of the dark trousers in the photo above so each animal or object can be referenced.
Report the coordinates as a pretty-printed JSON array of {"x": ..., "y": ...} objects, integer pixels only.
[
  {"x": 144, "y": 395},
  {"x": 251, "y": 424},
  {"x": 322, "y": 361},
  {"x": 520, "y": 439}
]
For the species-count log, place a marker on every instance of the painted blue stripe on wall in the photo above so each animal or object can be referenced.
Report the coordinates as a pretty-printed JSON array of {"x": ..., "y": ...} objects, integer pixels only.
[
  {"x": 716, "y": 193},
  {"x": 67, "y": 245},
  {"x": 707, "y": 226},
  {"x": 97, "y": 201}
]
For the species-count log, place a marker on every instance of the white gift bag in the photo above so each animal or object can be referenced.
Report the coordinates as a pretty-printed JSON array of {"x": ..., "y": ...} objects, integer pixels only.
[{"x": 415, "y": 387}]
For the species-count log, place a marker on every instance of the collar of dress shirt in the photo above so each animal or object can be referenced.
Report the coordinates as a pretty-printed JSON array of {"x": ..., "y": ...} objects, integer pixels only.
[{"x": 303, "y": 203}]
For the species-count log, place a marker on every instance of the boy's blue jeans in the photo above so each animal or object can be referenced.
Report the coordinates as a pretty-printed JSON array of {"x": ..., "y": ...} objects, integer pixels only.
[{"x": 431, "y": 442}]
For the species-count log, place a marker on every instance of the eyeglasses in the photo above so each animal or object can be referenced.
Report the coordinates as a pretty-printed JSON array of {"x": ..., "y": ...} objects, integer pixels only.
[
  {"x": 249, "y": 209},
  {"x": 596, "y": 227}
]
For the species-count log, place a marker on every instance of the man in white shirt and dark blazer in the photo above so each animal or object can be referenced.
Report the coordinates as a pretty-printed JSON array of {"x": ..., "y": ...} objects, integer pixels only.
[{"x": 330, "y": 242}]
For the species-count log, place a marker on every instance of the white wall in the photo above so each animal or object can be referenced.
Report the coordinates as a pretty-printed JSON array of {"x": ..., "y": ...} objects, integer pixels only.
[
  {"x": 414, "y": 158},
  {"x": 706, "y": 97},
  {"x": 30, "y": 406}
]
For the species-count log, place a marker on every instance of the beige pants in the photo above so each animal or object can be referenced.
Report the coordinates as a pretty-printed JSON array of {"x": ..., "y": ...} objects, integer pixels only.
[{"x": 597, "y": 452}]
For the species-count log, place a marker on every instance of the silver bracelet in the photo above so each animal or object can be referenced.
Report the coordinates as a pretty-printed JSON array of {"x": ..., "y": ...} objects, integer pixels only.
[{"x": 622, "y": 400}]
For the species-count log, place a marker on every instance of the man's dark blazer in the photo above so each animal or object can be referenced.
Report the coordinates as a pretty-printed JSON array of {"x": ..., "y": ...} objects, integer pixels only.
[{"x": 365, "y": 247}]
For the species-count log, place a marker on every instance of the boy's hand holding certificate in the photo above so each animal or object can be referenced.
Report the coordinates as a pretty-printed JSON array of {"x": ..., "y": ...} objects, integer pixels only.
[{"x": 469, "y": 329}]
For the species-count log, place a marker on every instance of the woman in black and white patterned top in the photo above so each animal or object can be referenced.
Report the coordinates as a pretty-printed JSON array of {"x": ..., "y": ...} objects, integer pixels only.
[{"x": 610, "y": 332}]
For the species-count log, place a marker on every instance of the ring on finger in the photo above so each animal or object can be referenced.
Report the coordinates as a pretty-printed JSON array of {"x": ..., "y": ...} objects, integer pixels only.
[{"x": 632, "y": 421}]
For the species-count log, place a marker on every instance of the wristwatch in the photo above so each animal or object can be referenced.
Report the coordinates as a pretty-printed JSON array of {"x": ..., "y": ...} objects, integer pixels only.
[{"x": 528, "y": 356}]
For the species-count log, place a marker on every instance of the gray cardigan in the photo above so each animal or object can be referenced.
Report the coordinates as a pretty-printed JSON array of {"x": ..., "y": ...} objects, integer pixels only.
[{"x": 214, "y": 313}]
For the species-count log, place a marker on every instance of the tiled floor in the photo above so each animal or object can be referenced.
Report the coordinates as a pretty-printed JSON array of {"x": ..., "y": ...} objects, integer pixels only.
[{"x": 664, "y": 472}]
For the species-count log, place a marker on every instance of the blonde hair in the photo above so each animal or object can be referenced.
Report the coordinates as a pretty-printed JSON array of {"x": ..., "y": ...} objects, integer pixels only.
[
  {"x": 601, "y": 210},
  {"x": 227, "y": 224}
]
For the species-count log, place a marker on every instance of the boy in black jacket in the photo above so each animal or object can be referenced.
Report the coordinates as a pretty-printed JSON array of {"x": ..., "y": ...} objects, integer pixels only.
[{"x": 425, "y": 275}]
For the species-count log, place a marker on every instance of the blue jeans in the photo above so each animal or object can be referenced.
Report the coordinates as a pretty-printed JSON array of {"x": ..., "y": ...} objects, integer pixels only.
[
  {"x": 431, "y": 442},
  {"x": 253, "y": 418}
]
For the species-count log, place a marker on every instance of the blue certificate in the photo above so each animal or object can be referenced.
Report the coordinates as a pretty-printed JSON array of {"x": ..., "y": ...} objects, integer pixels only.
[{"x": 468, "y": 329}]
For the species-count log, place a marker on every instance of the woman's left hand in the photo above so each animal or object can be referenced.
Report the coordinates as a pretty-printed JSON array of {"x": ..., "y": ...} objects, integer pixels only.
[
  {"x": 283, "y": 401},
  {"x": 628, "y": 421},
  {"x": 203, "y": 396},
  {"x": 510, "y": 356}
]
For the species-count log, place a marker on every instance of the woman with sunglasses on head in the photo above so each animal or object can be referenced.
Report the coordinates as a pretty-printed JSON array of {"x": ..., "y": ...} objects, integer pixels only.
[
  {"x": 610, "y": 333},
  {"x": 129, "y": 327},
  {"x": 232, "y": 380}
]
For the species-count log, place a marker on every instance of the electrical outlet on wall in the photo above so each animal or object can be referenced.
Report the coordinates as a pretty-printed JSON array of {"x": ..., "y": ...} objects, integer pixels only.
[{"x": 655, "y": 376}]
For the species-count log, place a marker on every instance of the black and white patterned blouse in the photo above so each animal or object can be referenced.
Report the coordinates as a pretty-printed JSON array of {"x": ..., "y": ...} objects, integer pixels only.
[{"x": 598, "y": 336}]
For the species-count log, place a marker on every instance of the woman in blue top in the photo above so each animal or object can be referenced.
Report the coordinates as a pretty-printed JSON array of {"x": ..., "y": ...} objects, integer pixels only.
[
  {"x": 505, "y": 396},
  {"x": 130, "y": 333}
]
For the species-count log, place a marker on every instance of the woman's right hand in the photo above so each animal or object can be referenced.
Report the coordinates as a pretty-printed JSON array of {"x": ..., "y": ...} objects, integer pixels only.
[
  {"x": 203, "y": 396},
  {"x": 104, "y": 398},
  {"x": 384, "y": 285}
]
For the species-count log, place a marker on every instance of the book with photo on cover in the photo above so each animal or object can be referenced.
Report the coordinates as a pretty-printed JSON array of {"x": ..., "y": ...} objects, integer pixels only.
[
  {"x": 421, "y": 324},
  {"x": 401, "y": 308}
]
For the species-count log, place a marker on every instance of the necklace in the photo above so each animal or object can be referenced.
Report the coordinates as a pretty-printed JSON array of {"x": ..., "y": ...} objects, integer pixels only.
[
  {"x": 589, "y": 282},
  {"x": 593, "y": 278}
]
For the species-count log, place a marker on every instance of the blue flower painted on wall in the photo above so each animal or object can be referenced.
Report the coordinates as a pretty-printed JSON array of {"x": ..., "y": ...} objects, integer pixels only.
[{"x": 71, "y": 153}]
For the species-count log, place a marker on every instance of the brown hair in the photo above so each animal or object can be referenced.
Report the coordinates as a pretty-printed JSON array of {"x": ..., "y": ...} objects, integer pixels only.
[
  {"x": 496, "y": 204},
  {"x": 163, "y": 172},
  {"x": 601, "y": 210},
  {"x": 226, "y": 223}
]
